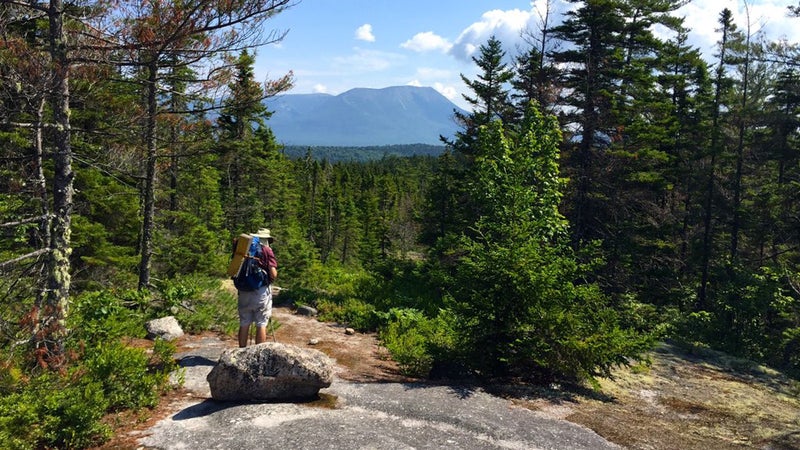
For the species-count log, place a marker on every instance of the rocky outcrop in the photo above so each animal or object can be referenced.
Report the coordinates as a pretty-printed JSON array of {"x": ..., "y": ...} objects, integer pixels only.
[
  {"x": 270, "y": 372},
  {"x": 166, "y": 328}
]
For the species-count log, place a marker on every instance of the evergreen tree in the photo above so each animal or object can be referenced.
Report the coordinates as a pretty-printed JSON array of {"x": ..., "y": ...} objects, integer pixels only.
[
  {"x": 452, "y": 209},
  {"x": 536, "y": 78},
  {"x": 490, "y": 99},
  {"x": 594, "y": 33},
  {"x": 247, "y": 148},
  {"x": 722, "y": 85},
  {"x": 514, "y": 289}
]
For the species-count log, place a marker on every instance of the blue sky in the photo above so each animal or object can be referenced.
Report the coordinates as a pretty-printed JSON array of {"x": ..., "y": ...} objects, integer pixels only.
[{"x": 336, "y": 45}]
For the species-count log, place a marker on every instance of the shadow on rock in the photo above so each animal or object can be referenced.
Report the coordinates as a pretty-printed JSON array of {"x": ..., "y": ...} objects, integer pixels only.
[
  {"x": 207, "y": 407},
  {"x": 195, "y": 360}
]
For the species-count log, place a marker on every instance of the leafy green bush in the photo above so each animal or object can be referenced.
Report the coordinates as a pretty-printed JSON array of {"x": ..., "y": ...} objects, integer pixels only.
[
  {"x": 353, "y": 312},
  {"x": 53, "y": 412},
  {"x": 415, "y": 340},
  {"x": 198, "y": 303},
  {"x": 521, "y": 312},
  {"x": 125, "y": 376},
  {"x": 106, "y": 315}
]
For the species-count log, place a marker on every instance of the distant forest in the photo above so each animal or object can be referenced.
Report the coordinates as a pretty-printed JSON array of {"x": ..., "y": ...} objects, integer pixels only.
[
  {"x": 370, "y": 153},
  {"x": 609, "y": 188}
]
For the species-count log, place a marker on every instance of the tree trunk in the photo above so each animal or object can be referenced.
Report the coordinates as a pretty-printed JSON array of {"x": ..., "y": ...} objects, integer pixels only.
[
  {"x": 54, "y": 315},
  {"x": 702, "y": 295},
  {"x": 44, "y": 227},
  {"x": 148, "y": 221}
]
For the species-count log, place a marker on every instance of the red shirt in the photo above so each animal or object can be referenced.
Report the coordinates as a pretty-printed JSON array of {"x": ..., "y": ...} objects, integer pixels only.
[{"x": 269, "y": 258}]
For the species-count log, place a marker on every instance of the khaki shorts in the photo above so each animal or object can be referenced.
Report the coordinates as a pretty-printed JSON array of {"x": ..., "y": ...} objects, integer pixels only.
[{"x": 255, "y": 307}]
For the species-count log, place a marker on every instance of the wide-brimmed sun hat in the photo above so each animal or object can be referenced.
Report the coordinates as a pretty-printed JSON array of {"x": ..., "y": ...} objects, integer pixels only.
[{"x": 263, "y": 233}]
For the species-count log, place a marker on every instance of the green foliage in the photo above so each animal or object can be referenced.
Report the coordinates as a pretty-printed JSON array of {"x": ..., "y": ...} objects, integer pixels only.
[
  {"x": 107, "y": 316},
  {"x": 415, "y": 340},
  {"x": 187, "y": 246},
  {"x": 355, "y": 313},
  {"x": 521, "y": 312},
  {"x": 53, "y": 412},
  {"x": 515, "y": 286},
  {"x": 124, "y": 376},
  {"x": 105, "y": 231},
  {"x": 751, "y": 317},
  {"x": 198, "y": 303}
]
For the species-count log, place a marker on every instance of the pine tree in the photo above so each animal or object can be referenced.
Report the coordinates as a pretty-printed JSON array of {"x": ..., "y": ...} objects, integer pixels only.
[
  {"x": 594, "y": 33},
  {"x": 490, "y": 99},
  {"x": 519, "y": 309}
]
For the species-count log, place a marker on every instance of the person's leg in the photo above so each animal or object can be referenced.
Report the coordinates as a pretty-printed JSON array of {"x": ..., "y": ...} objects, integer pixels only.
[
  {"x": 250, "y": 304},
  {"x": 261, "y": 334},
  {"x": 244, "y": 334},
  {"x": 263, "y": 314}
]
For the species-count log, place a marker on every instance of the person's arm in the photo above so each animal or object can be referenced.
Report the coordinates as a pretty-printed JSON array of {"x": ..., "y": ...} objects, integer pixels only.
[
  {"x": 273, "y": 273},
  {"x": 271, "y": 263}
]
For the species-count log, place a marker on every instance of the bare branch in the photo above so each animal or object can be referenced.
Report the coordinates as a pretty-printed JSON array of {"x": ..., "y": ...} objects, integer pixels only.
[
  {"x": 24, "y": 221},
  {"x": 35, "y": 254}
]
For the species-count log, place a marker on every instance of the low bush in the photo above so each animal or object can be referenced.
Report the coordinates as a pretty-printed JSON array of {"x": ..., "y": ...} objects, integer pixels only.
[
  {"x": 54, "y": 412},
  {"x": 416, "y": 341},
  {"x": 130, "y": 379},
  {"x": 107, "y": 315},
  {"x": 353, "y": 312},
  {"x": 198, "y": 303}
]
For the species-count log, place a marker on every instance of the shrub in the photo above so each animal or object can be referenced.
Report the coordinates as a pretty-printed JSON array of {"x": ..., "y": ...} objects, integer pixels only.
[
  {"x": 106, "y": 315},
  {"x": 415, "y": 340},
  {"x": 53, "y": 412},
  {"x": 353, "y": 312},
  {"x": 198, "y": 303},
  {"x": 125, "y": 374}
]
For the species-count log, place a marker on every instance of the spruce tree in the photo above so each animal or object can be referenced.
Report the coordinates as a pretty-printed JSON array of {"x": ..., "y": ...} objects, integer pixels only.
[
  {"x": 519, "y": 307},
  {"x": 593, "y": 33},
  {"x": 490, "y": 93}
]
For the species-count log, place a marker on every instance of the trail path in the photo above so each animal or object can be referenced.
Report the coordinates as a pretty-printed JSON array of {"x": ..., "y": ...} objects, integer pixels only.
[
  {"x": 702, "y": 401},
  {"x": 369, "y": 406}
]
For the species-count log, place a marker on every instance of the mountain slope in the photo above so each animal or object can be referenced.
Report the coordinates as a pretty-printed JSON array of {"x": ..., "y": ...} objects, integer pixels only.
[{"x": 363, "y": 117}]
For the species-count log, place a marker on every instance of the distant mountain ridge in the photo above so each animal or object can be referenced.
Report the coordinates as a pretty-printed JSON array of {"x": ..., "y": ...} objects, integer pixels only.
[{"x": 363, "y": 117}]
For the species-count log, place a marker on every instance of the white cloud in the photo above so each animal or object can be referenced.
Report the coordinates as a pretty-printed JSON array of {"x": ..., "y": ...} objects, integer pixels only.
[
  {"x": 414, "y": 83},
  {"x": 766, "y": 16},
  {"x": 506, "y": 26},
  {"x": 364, "y": 33},
  {"x": 448, "y": 91},
  {"x": 427, "y": 41},
  {"x": 320, "y": 89}
]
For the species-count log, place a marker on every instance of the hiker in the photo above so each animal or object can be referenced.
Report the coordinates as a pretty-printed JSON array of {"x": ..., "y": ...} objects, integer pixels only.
[{"x": 256, "y": 306}]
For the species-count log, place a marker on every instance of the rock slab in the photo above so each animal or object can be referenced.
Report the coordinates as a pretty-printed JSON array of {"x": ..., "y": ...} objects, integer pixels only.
[{"x": 270, "y": 372}]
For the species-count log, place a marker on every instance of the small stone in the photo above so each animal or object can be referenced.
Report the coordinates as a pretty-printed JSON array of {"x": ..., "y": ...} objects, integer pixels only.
[
  {"x": 304, "y": 310},
  {"x": 166, "y": 328},
  {"x": 313, "y": 341},
  {"x": 349, "y": 331}
]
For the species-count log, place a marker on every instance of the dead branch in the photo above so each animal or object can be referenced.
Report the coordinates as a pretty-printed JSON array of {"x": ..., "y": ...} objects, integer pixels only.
[{"x": 35, "y": 254}]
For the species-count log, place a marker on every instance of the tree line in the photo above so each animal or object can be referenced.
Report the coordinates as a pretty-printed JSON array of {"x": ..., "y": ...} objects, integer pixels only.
[{"x": 681, "y": 173}]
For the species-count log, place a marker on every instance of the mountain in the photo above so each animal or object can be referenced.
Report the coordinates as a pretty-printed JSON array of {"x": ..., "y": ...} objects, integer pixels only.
[{"x": 363, "y": 117}]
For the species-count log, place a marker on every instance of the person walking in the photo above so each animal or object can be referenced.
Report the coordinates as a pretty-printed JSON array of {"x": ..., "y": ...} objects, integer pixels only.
[{"x": 255, "y": 307}]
